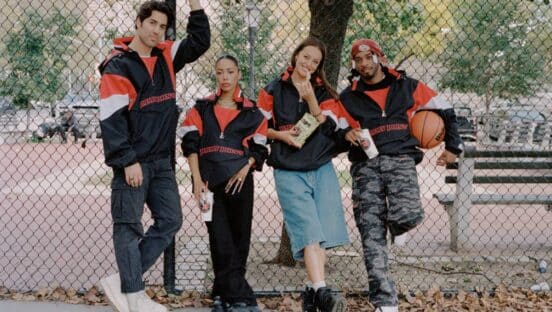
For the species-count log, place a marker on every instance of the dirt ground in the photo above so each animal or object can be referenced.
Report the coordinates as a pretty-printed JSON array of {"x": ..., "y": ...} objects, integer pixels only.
[{"x": 56, "y": 229}]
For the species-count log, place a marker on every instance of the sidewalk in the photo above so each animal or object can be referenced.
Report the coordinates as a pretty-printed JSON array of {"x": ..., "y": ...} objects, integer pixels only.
[{"x": 43, "y": 306}]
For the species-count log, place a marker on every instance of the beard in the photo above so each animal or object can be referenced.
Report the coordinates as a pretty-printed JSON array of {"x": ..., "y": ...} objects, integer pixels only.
[{"x": 368, "y": 75}]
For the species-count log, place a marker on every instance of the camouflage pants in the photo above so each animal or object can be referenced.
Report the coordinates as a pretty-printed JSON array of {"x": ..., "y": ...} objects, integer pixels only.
[{"x": 386, "y": 196}]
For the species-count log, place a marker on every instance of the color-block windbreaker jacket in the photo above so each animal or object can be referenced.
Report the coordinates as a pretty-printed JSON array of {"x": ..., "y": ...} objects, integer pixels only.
[
  {"x": 389, "y": 127},
  {"x": 138, "y": 112},
  {"x": 279, "y": 102},
  {"x": 224, "y": 147}
]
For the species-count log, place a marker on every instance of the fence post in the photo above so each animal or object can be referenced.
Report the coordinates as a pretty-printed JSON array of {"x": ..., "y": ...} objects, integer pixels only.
[{"x": 169, "y": 256}]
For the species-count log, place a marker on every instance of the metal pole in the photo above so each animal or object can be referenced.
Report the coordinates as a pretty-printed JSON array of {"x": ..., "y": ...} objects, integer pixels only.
[
  {"x": 170, "y": 33},
  {"x": 251, "y": 62},
  {"x": 169, "y": 256}
]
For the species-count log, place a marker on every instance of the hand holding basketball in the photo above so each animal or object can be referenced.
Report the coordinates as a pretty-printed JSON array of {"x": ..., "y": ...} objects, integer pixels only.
[{"x": 428, "y": 127}]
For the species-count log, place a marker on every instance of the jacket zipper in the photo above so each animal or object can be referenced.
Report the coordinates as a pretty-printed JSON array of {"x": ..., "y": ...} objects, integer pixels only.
[{"x": 146, "y": 68}]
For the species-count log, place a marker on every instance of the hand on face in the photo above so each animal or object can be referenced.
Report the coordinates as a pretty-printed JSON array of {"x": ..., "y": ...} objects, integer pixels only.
[
  {"x": 306, "y": 92},
  {"x": 307, "y": 61}
]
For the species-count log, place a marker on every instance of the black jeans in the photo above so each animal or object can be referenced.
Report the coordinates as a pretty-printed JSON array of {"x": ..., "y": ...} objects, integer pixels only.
[
  {"x": 229, "y": 239},
  {"x": 135, "y": 251}
]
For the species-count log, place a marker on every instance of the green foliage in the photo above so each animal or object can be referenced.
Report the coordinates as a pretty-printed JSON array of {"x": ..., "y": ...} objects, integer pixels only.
[
  {"x": 491, "y": 51},
  {"x": 437, "y": 21},
  {"x": 390, "y": 23},
  {"x": 233, "y": 39},
  {"x": 36, "y": 57},
  {"x": 110, "y": 34}
]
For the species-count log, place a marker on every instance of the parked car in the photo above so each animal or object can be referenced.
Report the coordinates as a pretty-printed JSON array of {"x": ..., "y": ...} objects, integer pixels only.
[
  {"x": 467, "y": 124},
  {"x": 86, "y": 110},
  {"x": 517, "y": 118},
  {"x": 6, "y": 106}
]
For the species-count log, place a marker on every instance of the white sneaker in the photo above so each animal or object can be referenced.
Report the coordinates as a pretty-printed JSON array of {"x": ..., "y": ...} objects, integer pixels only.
[
  {"x": 140, "y": 302},
  {"x": 112, "y": 288},
  {"x": 401, "y": 239},
  {"x": 387, "y": 309}
]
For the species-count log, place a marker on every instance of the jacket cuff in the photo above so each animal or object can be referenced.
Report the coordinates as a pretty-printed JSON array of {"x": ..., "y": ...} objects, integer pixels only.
[
  {"x": 455, "y": 150},
  {"x": 197, "y": 12},
  {"x": 190, "y": 143}
]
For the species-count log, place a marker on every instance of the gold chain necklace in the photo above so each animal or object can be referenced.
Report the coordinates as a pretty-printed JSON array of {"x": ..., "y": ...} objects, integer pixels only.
[{"x": 227, "y": 103}]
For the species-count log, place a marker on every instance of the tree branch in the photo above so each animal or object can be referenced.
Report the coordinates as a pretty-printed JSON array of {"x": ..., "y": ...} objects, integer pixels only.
[{"x": 403, "y": 60}]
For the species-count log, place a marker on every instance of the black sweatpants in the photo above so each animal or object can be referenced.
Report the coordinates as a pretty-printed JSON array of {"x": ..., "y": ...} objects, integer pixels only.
[{"x": 229, "y": 238}]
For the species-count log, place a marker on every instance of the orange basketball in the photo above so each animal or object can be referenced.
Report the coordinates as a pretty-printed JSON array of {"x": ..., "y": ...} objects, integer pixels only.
[{"x": 428, "y": 127}]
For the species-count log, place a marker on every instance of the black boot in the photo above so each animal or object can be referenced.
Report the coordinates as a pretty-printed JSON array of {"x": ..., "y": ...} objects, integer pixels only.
[
  {"x": 308, "y": 299},
  {"x": 328, "y": 301}
]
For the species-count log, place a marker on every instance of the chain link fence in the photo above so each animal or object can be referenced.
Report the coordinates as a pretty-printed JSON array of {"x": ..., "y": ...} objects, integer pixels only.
[{"x": 490, "y": 58}]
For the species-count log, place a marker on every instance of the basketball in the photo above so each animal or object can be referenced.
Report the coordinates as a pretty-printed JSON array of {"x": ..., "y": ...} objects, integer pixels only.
[{"x": 428, "y": 127}]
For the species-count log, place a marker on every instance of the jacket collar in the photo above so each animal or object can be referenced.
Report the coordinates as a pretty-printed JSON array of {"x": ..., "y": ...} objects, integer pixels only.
[
  {"x": 238, "y": 97},
  {"x": 122, "y": 43},
  {"x": 357, "y": 84}
]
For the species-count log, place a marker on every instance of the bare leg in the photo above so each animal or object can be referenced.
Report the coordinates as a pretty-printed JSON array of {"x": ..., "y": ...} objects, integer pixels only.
[{"x": 314, "y": 262}]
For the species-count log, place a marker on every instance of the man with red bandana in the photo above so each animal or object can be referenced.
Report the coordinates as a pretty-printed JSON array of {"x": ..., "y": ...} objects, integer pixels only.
[{"x": 386, "y": 194}]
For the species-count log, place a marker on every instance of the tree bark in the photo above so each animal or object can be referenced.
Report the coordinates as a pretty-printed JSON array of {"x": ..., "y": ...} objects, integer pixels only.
[
  {"x": 329, "y": 19},
  {"x": 284, "y": 255}
]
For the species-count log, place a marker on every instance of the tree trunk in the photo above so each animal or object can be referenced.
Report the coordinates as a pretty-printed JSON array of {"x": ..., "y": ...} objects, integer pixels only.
[
  {"x": 329, "y": 20},
  {"x": 284, "y": 256}
]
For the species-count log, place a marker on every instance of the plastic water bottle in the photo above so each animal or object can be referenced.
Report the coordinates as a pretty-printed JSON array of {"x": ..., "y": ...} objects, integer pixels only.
[{"x": 543, "y": 266}]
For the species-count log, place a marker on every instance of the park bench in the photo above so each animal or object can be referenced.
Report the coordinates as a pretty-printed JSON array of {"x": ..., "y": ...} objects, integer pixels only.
[{"x": 493, "y": 167}]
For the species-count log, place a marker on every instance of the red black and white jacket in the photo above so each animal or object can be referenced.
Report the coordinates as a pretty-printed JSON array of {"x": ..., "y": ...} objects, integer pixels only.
[
  {"x": 224, "y": 138},
  {"x": 138, "y": 112},
  {"x": 388, "y": 121},
  {"x": 279, "y": 102}
]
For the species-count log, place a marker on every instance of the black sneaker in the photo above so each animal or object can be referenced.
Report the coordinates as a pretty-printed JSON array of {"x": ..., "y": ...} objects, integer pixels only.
[
  {"x": 239, "y": 307},
  {"x": 308, "y": 299},
  {"x": 220, "y": 306},
  {"x": 253, "y": 308},
  {"x": 328, "y": 301}
]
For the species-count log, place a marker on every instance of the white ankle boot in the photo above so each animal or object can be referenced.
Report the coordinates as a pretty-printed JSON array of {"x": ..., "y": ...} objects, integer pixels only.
[
  {"x": 112, "y": 288},
  {"x": 140, "y": 302},
  {"x": 387, "y": 309}
]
